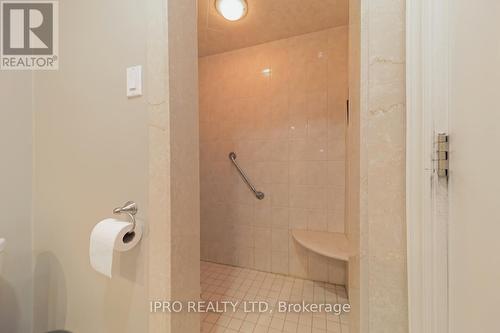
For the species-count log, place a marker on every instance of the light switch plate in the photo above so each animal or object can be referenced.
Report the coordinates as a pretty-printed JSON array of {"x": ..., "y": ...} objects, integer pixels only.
[{"x": 134, "y": 81}]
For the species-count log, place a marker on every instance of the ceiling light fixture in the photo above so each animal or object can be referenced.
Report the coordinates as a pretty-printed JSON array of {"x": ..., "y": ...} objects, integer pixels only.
[{"x": 232, "y": 10}]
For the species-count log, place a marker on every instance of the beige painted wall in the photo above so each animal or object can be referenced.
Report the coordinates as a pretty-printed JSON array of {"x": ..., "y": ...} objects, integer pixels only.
[
  {"x": 90, "y": 155},
  {"x": 15, "y": 201},
  {"x": 281, "y": 106},
  {"x": 378, "y": 277}
]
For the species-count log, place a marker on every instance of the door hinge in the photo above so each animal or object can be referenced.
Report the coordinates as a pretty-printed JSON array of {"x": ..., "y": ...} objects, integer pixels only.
[{"x": 443, "y": 154}]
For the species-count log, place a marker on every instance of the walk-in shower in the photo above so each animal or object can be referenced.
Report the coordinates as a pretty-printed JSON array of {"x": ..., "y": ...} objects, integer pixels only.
[{"x": 273, "y": 98}]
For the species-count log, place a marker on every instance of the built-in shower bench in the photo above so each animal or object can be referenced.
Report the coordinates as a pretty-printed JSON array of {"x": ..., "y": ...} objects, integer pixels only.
[{"x": 329, "y": 244}]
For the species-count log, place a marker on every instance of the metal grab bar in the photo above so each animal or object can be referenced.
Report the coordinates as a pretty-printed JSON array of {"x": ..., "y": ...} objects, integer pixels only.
[{"x": 259, "y": 195}]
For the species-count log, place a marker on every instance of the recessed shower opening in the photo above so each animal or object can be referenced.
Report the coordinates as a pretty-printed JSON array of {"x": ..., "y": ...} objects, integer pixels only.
[{"x": 273, "y": 116}]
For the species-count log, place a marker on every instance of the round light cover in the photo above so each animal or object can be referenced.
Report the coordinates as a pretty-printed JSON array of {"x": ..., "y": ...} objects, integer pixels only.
[{"x": 232, "y": 10}]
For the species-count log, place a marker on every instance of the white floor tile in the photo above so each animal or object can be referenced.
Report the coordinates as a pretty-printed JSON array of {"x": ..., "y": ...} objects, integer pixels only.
[{"x": 228, "y": 283}]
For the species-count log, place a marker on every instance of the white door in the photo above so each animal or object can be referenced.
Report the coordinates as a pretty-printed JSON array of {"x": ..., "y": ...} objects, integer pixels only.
[{"x": 474, "y": 188}]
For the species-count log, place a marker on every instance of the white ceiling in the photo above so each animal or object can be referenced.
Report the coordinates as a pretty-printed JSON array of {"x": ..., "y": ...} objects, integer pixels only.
[{"x": 267, "y": 20}]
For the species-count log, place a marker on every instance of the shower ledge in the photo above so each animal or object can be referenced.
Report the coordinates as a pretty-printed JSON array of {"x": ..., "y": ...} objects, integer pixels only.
[{"x": 329, "y": 244}]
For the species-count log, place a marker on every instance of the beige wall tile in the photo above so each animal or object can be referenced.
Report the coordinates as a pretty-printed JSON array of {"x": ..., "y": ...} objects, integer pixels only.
[
  {"x": 279, "y": 262},
  {"x": 281, "y": 107},
  {"x": 298, "y": 259},
  {"x": 263, "y": 238},
  {"x": 279, "y": 239},
  {"x": 262, "y": 259}
]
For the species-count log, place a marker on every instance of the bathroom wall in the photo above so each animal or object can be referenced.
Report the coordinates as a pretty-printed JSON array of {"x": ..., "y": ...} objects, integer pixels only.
[
  {"x": 15, "y": 197},
  {"x": 90, "y": 155},
  {"x": 376, "y": 210},
  {"x": 383, "y": 140},
  {"x": 281, "y": 106},
  {"x": 174, "y": 186}
]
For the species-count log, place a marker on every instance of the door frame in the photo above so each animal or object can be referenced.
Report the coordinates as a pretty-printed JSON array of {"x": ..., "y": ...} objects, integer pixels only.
[{"x": 427, "y": 70}]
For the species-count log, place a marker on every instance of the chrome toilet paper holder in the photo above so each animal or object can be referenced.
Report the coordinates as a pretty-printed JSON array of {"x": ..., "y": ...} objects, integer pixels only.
[{"x": 130, "y": 209}]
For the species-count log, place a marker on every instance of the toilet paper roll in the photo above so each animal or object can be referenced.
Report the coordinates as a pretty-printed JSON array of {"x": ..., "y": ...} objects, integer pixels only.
[{"x": 108, "y": 236}]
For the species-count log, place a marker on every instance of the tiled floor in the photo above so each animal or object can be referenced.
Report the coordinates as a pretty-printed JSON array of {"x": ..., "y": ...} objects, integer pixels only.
[{"x": 227, "y": 283}]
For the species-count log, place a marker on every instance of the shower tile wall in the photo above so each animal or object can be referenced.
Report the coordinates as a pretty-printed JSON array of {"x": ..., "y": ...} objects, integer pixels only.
[{"x": 281, "y": 106}]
